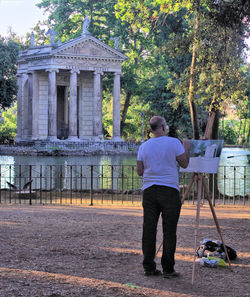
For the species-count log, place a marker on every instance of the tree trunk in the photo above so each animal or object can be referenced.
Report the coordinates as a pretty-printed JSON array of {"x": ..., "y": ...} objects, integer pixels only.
[
  {"x": 240, "y": 134},
  {"x": 212, "y": 128},
  {"x": 192, "y": 106},
  {"x": 125, "y": 110},
  {"x": 248, "y": 135},
  {"x": 215, "y": 130},
  {"x": 244, "y": 132},
  {"x": 211, "y": 132}
]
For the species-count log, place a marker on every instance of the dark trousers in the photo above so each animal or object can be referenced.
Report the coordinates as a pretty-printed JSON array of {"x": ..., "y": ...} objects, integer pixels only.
[{"x": 165, "y": 201}]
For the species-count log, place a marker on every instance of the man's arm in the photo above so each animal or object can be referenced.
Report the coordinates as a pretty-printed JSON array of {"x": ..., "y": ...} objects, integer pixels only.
[
  {"x": 139, "y": 168},
  {"x": 183, "y": 159}
]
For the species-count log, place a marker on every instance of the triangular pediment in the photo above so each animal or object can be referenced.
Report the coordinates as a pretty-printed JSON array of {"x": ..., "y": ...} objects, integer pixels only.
[{"x": 88, "y": 46}]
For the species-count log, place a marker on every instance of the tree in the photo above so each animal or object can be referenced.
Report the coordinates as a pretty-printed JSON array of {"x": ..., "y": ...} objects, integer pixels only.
[
  {"x": 180, "y": 53},
  {"x": 213, "y": 18},
  {"x": 8, "y": 60}
]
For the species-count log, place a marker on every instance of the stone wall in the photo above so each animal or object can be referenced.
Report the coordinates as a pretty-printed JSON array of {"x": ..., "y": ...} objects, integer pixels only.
[{"x": 71, "y": 148}]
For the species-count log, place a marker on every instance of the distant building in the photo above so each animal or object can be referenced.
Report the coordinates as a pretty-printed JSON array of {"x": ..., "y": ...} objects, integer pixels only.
[{"x": 60, "y": 90}]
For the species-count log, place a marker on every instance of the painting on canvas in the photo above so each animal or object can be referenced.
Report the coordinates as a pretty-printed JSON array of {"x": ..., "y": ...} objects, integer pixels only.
[{"x": 204, "y": 156}]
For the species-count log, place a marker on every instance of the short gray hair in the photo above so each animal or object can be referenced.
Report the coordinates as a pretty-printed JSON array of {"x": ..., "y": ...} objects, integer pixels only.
[{"x": 156, "y": 122}]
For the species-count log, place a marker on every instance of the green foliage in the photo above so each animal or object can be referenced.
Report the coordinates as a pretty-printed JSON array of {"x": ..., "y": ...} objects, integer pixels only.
[
  {"x": 138, "y": 117},
  {"x": 235, "y": 131},
  {"x": 228, "y": 133},
  {"x": 157, "y": 37},
  {"x": 67, "y": 17},
  {"x": 8, "y": 59},
  {"x": 218, "y": 38},
  {"x": 8, "y": 125},
  {"x": 243, "y": 105}
]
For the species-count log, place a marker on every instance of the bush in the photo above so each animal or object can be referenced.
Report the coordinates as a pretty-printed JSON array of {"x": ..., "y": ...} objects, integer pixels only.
[
  {"x": 229, "y": 134},
  {"x": 8, "y": 125}
]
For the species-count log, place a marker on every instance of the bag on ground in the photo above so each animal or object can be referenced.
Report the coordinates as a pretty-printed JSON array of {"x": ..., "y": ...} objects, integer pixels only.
[{"x": 215, "y": 248}]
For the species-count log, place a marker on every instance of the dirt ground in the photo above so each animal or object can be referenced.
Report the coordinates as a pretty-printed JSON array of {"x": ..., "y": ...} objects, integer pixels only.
[{"x": 64, "y": 251}]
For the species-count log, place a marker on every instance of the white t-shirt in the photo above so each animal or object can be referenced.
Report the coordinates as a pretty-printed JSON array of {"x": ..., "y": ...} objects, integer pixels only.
[{"x": 159, "y": 159}]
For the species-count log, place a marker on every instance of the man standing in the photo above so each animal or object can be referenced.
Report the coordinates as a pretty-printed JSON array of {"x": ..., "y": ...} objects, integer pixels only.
[{"x": 157, "y": 162}]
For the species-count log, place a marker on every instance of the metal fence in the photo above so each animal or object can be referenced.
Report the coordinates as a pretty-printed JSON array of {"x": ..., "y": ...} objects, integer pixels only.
[{"x": 107, "y": 184}]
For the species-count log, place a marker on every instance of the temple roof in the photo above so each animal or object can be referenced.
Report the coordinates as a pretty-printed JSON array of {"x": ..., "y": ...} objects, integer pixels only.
[{"x": 85, "y": 46}]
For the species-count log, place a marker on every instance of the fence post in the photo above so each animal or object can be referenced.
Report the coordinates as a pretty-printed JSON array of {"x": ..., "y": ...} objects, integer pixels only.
[
  {"x": 132, "y": 185},
  {"x": 81, "y": 184},
  {"x": 234, "y": 186},
  {"x": 91, "y": 184},
  {"x": 20, "y": 181},
  {"x": 10, "y": 182},
  {"x": 122, "y": 182},
  {"x": 183, "y": 183},
  {"x": 112, "y": 183},
  {"x": 132, "y": 178},
  {"x": 61, "y": 183},
  {"x": 50, "y": 183},
  {"x": 0, "y": 184},
  {"x": 41, "y": 182},
  {"x": 71, "y": 184},
  {"x": 244, "y": 186},
  {"x": 194, "y": 188},
  {"x": 224, "y": 184},
  {"x": 102, "y": 183},
  {"x": 30, "y": 176}
]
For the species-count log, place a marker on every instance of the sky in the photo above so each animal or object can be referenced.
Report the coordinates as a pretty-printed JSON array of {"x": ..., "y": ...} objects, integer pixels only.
[{"x": 21, "y": 15}]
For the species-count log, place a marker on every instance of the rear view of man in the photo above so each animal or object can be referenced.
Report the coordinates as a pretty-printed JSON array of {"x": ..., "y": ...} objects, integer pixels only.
[{"x": 157, "y": 162}]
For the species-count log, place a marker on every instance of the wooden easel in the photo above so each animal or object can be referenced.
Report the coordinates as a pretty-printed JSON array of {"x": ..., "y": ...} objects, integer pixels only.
[{"x": 200, "y": 179}]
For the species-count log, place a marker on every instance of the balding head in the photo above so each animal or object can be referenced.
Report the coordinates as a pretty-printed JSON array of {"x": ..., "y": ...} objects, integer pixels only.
[{"x": 156, "y": 122}]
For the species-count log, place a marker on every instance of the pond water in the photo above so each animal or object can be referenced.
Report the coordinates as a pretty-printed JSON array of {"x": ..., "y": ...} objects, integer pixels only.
[
  {"x": 233, "y": 172},
  {"x": 69, "y": 160},
  {"x": 237, "y": 157}
]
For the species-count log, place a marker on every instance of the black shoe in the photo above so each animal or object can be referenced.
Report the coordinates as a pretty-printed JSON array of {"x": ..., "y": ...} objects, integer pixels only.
[
  {"x": 155, "y": 272},
  {"x": 172, "y": 274}
]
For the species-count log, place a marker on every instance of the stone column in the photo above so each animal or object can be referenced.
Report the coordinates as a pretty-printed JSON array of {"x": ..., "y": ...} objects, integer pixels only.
[
  {"x": 52, "y": 105},
  {"x": 26, "y": 107},
  {"x": 116, "y": 108},
  {"x": 73, "y": 106},
  {"x": 29, "y": 105},
  {"x": 35, "y": 105},
  {"x": 97, "y": 106},
  {"x": 19, "y": 108}
]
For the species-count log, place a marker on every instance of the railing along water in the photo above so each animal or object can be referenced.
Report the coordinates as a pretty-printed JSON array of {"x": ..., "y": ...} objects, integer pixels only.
[{"x": 108, "y": 184}]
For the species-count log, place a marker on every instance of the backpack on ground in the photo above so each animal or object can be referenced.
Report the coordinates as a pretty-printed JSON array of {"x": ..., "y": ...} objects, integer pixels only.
[{"x": 215, "y": 248}]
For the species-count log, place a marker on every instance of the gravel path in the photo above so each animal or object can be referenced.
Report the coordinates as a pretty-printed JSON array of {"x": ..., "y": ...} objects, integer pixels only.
[{"x": 64, "y": 251}]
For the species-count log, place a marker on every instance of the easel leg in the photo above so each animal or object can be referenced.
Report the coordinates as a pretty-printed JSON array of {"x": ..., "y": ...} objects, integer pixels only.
[
  {"x": 197, "y": 222},
  {"x": 159, "y": 248},
  {"x": 216, "y": 221}
]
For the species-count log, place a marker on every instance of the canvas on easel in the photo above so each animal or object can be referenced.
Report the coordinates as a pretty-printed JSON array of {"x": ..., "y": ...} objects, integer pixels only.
[{"x": 204, "y": 156}]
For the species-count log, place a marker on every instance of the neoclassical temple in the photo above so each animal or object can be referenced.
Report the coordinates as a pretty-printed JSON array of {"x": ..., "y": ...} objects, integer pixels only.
[{"x": 60, "y": 90}]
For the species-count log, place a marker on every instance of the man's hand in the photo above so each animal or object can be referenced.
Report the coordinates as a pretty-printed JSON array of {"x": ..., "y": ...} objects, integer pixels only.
[{"x": 139, "y": 168}]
